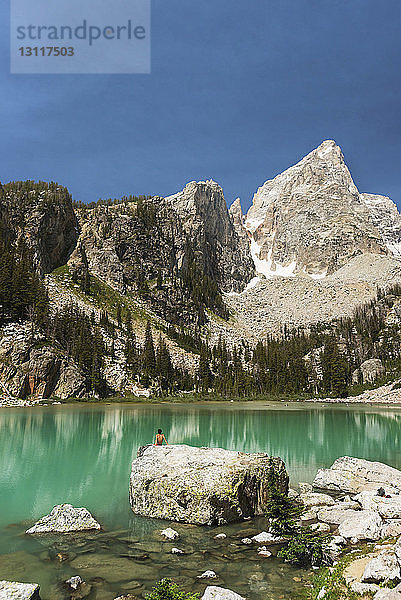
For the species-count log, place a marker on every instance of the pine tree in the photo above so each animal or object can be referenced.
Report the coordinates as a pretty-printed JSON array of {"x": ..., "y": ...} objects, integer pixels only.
[
  {"x": 164, "y": 367},
  {"x": 148, "y": 354},
  {"x": 204, "y": 373}
]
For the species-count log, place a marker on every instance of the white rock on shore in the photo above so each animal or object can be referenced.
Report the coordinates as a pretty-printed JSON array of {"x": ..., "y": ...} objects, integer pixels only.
[
  {"x": 388, "y": 508},
  {"x": 334, "y": 515},
  {"x": 388, "y": 594},
  {"x": 311, "y": 499},
  {"x": 353, "y": 475},
  {"x": 363, "y": 525},
  {"x": 384, "y": 567}
]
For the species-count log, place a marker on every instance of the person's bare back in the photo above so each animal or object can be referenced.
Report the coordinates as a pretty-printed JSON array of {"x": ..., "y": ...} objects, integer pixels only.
[{"x": 160, "y": 438}]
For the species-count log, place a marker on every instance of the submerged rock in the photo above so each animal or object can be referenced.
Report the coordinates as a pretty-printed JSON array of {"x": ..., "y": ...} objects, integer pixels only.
[
  {"x": 208, "y": 575},
  {"x": 205, "y": 486},
  {"x": 63, "y": 519},
  {"x": 353, "y": 475},
  {"x": 265, "y": 537},
  {"x": 263, "y": 551},
  {"x": 12, "y": 590},
  {"x": 170, "y": 534},
  {"x": 74, "y": 581}
]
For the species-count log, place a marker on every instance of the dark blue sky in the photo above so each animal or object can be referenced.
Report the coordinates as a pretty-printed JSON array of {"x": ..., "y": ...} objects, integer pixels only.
[{"x": 238, "y": 92}]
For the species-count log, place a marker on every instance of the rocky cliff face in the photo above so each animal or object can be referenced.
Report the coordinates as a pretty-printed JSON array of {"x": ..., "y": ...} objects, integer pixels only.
[
  {"x": 142, "y": 247},
  {"x": 31, "y": 367},
  {"x": 311, "y": 218},
  {"x": 203, "y": 212},
  {"x": 124, "y": 243},
  {"x": 43, "y": 216}
]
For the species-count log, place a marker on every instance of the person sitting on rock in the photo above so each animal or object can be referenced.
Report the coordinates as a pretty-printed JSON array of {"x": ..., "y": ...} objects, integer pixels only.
[{"x": 160, "y": 438}]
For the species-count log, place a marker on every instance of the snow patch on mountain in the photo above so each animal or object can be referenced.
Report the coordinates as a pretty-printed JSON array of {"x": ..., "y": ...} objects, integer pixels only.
[{"x": 266, "y": 266}]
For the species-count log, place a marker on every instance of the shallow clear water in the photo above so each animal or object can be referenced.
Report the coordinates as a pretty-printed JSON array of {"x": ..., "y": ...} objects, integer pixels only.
[{"x": 82, "y": 455}]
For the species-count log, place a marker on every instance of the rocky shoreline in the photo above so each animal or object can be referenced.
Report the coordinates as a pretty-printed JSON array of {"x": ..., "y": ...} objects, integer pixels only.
[{"x": 385, "y": 394}]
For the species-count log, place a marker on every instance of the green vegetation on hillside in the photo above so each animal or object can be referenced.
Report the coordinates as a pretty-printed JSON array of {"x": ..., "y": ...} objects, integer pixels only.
[{"x": 22, "y": 294}]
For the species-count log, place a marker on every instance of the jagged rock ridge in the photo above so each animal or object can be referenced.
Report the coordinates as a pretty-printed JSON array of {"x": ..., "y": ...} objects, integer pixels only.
[
  {"x": 126, "y": 244},
  {"x": 384, "y": 215}
]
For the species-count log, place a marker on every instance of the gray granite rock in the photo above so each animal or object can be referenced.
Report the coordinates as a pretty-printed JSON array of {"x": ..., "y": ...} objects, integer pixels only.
[
  {"x": 12, "y": 590},
  {"x": 44, "y": 219},
  {"x": 213, "y": 592},
  {"x": 313, "y": 499},
  {"x": 64, "y": 518},
  {"x": 304, "y": 487},
  {"x": 363, "y": 588},
  {"x": 353, "y": 475},
  {"x": 391, "y": 528},
  {"x": 362, "y": 525},
  {"x": 204, "y": 486},
  {"x": 384, "y": 567},
  {"x": 310, "y": 218},
  {"x": 388, "y": 508},
  {"x": 320, "y": 527},
  {"x": 388, "y": 594},
  {"x": 334, "y": 515}
]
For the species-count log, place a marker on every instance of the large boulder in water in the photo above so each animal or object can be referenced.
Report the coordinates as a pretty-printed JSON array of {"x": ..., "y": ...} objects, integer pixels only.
[
  {"x": 206, "y": 486},
  {"x": 353, "y": 475}
]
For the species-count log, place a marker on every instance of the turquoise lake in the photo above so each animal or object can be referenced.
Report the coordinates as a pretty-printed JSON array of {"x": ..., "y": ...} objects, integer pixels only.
[{"x": 82, "y": 454}]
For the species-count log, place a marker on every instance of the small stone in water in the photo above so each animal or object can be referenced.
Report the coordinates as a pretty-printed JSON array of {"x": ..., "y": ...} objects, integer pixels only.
[
  {"x": 207, "y": 575},
  {"x": 220, "y": 536},
  {"x": 267, "y": 538},
  {"x": 176, "y": 551},
  {"x": 263, "y": 551},
  {"x": 62, "y": 556},
  {"x": 170, "y": 533},
  {"x": 246, "y": 541},
  {"x": 74, "y": 582}
]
